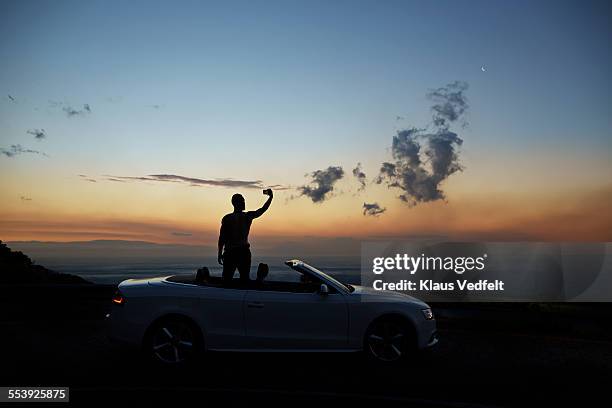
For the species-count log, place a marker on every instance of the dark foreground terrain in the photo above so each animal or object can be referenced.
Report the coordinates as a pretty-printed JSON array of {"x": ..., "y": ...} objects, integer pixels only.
[{"x": 488, "y": 355}]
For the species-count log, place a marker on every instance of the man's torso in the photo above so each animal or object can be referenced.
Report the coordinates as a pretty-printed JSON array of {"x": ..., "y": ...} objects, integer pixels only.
[{"x": 236, "y": 227}]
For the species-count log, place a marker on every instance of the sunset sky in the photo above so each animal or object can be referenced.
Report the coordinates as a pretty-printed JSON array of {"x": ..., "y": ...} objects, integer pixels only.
[{"x": 268, "y": 92}]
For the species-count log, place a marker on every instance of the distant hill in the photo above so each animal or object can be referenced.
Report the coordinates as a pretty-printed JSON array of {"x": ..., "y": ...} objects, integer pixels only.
[
  {"x": 112, "y": 250},
  {"x": 18, "y": 268},
  {"x": 52, "y": 252}
]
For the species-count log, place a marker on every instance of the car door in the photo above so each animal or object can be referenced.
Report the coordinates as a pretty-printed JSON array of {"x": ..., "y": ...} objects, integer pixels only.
[
  {"x": 289, "y": 320},
  {"x": 222, "y": 317}
]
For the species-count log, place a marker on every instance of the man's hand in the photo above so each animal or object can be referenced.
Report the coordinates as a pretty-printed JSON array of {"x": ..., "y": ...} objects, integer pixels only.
[
  {"x": 264, "y": 208},
  {"x": 220, "y": 259}
]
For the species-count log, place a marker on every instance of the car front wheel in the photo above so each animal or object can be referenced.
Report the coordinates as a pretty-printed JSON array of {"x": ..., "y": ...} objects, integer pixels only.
[{"x": 389, "y": 340}]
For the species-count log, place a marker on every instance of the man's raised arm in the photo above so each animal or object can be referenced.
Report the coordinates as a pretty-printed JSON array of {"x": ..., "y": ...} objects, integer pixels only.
[{"x": 264, "y": 208}]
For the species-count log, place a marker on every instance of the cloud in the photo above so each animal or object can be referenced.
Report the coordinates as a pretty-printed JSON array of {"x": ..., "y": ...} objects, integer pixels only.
[
  {"x": 87, "y": 178},
  {"x": 360, "y": 175},
  {"x": 373, "y": 209},
  {"x": 39, "y": 134},
  {"x": 181, "y": 234},
  {"x": 70, "y": 111},
  {"x": 450, "y": 103},
  {"x": 422, "y": 162},
  {"x": 204, "y": 182},
  {"x": 424, "y": 158},
  {"x": 15, "y": 150},
  {"x": 193, "y": 181},
  {"x": 322, "y": 183},
  {"x": 279, "y": 187}
]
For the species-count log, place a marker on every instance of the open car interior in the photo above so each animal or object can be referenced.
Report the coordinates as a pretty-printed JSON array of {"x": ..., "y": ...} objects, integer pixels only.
[{"x": 202, "y": 277}]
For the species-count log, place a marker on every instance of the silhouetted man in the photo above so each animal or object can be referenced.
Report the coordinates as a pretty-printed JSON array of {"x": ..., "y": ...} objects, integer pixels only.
[{"x": 234, "y": 245}]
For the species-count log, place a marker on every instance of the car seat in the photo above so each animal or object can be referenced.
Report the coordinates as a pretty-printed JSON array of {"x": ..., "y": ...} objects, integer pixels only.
[
  {"x": 262, "y": 272},
  {"x": 202, "y": 275}
]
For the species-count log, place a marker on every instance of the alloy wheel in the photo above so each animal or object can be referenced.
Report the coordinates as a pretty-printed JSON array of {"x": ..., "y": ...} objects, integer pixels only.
[
  {"x": 387, "y": 341},
  {"x": 173, "y": 342}
]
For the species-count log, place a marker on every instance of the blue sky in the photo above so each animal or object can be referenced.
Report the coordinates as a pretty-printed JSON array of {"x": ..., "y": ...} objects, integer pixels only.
[{"x": 345, "y": 68}]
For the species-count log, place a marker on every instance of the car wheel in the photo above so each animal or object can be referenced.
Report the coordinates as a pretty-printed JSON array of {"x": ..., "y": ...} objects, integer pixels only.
[
  {"x": 174, "y": 341},
  {"x": 389, "y": 340}
]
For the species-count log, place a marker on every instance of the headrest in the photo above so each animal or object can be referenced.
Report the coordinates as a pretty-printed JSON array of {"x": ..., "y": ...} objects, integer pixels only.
[
  {"x": 202, "y": 275},
  {"x": 262, "y": 271}
]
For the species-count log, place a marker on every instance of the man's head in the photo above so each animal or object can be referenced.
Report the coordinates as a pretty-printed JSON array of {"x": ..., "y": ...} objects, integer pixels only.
[{"x": 238, "y": 202}]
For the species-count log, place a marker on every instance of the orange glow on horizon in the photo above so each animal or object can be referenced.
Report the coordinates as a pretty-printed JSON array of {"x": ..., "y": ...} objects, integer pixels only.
[{"x": 581, "y": 217}]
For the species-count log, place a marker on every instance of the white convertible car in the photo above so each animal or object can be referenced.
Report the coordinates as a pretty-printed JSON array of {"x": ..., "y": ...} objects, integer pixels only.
[{"x": 176, "y": 318}]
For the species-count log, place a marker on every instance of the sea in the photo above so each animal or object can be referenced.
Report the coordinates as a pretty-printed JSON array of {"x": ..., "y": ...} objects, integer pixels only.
[{"x": 107, "y": 271}]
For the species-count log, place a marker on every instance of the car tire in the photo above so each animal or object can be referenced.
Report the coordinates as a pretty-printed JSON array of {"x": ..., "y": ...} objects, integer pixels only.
[
  {"x": 389, "y": 340},
  {"x": 173, "y": 341}
]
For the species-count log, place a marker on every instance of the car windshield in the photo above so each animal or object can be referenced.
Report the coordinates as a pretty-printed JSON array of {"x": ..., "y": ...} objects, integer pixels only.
[{"x": 317, "y": 271}]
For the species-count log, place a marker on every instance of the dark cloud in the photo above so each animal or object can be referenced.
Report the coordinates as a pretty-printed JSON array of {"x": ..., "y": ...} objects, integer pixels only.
[
  {"x": 279, "y": 187},
  {"x": 204, "y": 182},
  {"x": 360, "y": 175},
  {"x": 322, "y": 183},
  {"x": 70, "y": 111},
  {"x": 195, "y": 182},
  {"x": 181, "y": 234},
  {"x": 87, "y": 178},
  {"x": 39, "y": 134},
  {"x": 450, "y": 103},
  {"x": 423, "y": 158},
  {"x": 15, "y": 150},
  {"x": 124, "y": 179},
  {"x": 373, "y": 209},
  {"x": 422, "y": 162}
]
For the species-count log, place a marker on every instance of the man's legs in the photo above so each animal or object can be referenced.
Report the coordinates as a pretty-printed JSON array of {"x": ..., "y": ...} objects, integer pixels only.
[
  {"x": 229, "y": 266},
  {"x": 243, "y": 262}
]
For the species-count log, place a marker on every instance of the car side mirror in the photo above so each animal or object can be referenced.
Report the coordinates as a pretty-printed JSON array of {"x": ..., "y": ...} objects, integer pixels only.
[{"x": 323, "y": 290}]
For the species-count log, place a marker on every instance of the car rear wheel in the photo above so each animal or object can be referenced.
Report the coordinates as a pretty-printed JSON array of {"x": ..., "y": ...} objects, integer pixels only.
[
  {"x": 389, "y": 340},
  {"x": 174, "y": 341}
]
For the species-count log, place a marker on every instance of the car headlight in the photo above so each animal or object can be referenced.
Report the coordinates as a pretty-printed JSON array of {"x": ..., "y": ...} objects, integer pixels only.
[{"x": 428, "y": 314}]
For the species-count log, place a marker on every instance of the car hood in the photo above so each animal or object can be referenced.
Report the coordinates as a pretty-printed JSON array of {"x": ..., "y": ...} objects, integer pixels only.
[{"x": 385, "y": 295}]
